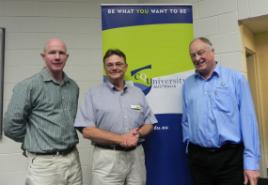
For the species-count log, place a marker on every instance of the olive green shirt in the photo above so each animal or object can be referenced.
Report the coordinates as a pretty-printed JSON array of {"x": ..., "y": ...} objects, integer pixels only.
[{"x": 41, "y": 113}]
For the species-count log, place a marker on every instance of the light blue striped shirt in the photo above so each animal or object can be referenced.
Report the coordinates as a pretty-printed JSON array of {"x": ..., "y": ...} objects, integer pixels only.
[
  {"x": 221, "y": 109},
  {"x": 41, "y": 113},
  {"x": 116, "y": 111}
]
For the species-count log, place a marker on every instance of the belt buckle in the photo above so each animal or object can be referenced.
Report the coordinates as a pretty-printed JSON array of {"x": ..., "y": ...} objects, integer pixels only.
[{"x": 64, "y": 152}]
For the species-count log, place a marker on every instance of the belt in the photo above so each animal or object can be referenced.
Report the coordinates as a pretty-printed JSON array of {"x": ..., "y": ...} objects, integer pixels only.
[
  {"x": 224, "y": 147},
  {"x": 116, "y": 147},
  {"x": 56, "y": 152}
]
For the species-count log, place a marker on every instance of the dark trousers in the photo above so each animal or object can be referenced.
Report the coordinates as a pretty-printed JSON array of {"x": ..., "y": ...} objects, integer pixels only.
[{"x": 210, "y": 166}]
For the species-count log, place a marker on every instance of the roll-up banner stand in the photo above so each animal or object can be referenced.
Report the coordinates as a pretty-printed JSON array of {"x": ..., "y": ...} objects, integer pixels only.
[{"x": 155, "y": 39}]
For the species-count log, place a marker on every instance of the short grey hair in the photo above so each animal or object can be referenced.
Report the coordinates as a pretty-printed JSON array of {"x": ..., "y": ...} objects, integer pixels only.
[{"x": 203, "y": 39}]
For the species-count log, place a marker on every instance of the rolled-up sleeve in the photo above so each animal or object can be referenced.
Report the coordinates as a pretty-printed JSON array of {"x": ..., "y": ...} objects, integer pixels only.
[{"x": 15, "y": 118}]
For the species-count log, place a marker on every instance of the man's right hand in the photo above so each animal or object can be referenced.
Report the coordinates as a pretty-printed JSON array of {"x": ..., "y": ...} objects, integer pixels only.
[{"x": 130, "y": 139}]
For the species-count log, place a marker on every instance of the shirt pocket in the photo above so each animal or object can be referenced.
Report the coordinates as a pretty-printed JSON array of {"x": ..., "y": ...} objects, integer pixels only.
[
  {"x": 137, "y": 116},
  {"x": 224, "y": 99}
]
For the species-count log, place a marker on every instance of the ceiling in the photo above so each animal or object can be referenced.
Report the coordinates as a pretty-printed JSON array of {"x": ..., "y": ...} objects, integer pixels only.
[{"x": 256, "y": 24}]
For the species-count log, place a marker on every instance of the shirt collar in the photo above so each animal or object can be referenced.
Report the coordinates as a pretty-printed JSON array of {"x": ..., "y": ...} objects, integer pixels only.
[
  {"x": 48, "y": 77},
  {"x": 216, "y": 72},
  {"x": 112, "y": 87}
]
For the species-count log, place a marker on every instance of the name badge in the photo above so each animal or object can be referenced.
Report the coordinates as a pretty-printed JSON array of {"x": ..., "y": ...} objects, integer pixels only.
[{"x": 136, "y": 107}]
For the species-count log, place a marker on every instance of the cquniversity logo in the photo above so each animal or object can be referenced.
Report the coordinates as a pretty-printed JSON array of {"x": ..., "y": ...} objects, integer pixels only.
[{"x": 141, "y": 80}]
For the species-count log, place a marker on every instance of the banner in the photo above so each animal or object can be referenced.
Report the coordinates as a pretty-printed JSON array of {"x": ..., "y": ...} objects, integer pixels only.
[{"x": 155, "y": 39}]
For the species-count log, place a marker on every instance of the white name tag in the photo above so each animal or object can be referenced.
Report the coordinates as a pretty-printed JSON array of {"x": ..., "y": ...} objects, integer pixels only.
[{"x": 136, "y": 107}]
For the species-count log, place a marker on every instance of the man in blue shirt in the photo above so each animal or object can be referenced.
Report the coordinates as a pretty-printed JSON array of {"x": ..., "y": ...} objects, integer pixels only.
[
  {"x": 116, "y": 117},
  {"x": 219, "y": 122}
]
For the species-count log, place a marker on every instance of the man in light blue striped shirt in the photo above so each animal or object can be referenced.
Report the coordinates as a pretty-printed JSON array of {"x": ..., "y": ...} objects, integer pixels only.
[
  {"x": 41, "y": 114},
  {"x": 219, "y": 122},
  {"x": 115, "y": 116}
]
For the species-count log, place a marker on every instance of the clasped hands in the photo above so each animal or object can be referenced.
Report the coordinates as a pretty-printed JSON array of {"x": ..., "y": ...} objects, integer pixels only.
[{"x": 130, "y": 139}]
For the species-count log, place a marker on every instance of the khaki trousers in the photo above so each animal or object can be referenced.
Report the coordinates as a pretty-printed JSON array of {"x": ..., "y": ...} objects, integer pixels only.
[
  {"x": 113, "y": 167},
  {"x": 54, "y": 169}
]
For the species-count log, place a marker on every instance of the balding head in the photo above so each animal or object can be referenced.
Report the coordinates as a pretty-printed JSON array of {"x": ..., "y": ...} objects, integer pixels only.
[
  {"x": 54, "y": 41},
  {"x": 55, "y": 56}
]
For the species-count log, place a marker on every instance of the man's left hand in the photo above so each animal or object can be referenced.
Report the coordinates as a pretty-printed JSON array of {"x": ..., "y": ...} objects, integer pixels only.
[{"x": 251, "y": 177}]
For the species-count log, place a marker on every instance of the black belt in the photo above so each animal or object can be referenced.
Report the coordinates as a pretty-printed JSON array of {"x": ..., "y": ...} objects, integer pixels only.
[
  {"x": 224, "y": 147},
  {"x": 56, "y": 152},
  {"x": 116, "y": 147}
]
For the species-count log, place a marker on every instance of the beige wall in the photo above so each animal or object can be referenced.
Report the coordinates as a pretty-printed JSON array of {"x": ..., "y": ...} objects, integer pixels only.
[
  {"x": 262, "y": 57},
  {"x": 29, "y": 23},
  {"x": 256, "y": 46}
]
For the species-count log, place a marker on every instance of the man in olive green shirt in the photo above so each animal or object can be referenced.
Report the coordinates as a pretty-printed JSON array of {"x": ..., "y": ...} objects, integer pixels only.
[{"x": 41, "y": 114}]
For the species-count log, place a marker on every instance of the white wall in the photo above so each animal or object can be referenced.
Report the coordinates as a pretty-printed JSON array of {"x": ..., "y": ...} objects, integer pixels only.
[{"x": 30, "y": 23}]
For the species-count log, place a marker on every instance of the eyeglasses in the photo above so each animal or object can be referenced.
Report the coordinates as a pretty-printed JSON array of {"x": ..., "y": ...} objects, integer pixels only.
[
  {"x": 117, "y": 65},
  {"x": 200, "y": 52}
]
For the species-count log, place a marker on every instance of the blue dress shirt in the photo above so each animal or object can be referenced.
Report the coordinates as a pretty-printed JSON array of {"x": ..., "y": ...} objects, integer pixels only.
[{"x": 219, "y": 110}]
